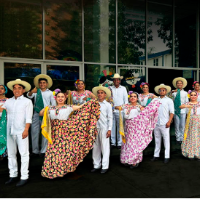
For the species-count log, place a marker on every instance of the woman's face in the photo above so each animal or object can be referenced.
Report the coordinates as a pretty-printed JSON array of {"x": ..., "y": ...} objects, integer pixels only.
[
  {"x": 80, "y": 85},
  {"x": 2, "y": 90},
  {"x": 133, "y": 98},
  {"x": 193, "y": 96},
  {"x": 60, "y": 98},
  {"x": 145, "y": 88},
  {"x": 196, "y": 87}
]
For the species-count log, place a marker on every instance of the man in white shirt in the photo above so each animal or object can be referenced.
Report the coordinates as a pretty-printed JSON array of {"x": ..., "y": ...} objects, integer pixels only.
[
  {"x": 104, "y": 126},
  {"x": 120, "y": 97},
  {"x": 43, "y": 82},
  {"x": 19, "y": 118},
  {"x": 165, "y": 116},
  {"x": 180, "y": 97}
]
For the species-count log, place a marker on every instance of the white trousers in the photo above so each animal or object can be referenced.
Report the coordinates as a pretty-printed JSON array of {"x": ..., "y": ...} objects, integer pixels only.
[
  {"x": 179, "y": 126},
  {"x": 14, "y": 142},
  {"x": 101, "y": 145},
  {"x": 159, "y": 132},
  {"x": 113, "y": 132},
  {"x": 35, "y": 135}
]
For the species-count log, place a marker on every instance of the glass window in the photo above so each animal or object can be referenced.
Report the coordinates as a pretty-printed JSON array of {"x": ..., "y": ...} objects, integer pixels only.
[
  {"x": 23, "y": 71},
  {"x": 63, "y": 28},
  {"x": 98, "y": 74},
  {"x": 21, "y": 29},
  {"x": 132, "y": 77},
  {"x": 166, "y": 76},
  {"x": 99, "y": 31},
  {"x": 155, "y": 62},
  {"x": 131, "y": 31},
  {"x": 63, "y": 76},
  {"x": 185, "y": 32},
  {"x": 160, "y": 32}
]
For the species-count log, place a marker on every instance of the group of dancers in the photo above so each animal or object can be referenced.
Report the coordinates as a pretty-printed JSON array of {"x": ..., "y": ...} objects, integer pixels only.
[{"x": 74, "y": 122}]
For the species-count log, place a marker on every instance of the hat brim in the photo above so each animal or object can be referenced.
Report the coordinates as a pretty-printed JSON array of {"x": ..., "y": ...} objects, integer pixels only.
[
  {"x": 121, "y": 77},
  {"x": 168, "y": 88},
  {"x": 179, "y": 79},
  {"x": 105, "y": 89},
  {"x": 49, "y": 80},
  {"x": 27, "y": 86}
]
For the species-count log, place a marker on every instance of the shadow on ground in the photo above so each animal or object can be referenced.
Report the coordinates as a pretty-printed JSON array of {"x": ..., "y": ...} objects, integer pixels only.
[{"x": 179, "y": 178}]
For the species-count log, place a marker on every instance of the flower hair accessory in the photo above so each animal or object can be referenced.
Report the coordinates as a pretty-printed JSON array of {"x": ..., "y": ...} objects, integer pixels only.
[
  {"x": 190, "y": 91},
  {"x": 76, "y": 82},
  {"x": 55, "y": 92},
  {"x": 142, "y": 84},
  {"x": 195, "y": 83}
]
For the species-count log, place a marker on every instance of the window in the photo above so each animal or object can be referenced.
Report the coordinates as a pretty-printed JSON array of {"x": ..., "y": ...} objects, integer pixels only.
[{"x": 155, "y": 62}]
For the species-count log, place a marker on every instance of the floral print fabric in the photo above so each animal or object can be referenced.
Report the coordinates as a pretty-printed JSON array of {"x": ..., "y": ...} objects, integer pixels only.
[
  {"x": 72, "y": 141},
  {"x": 77, "y": 98},
  {"x": 139, "y": 134}
]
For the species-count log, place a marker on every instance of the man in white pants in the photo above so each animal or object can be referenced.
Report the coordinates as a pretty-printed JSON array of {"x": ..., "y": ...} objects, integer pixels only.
[
  {"x": 43, "y": 82},
  {"x": 120, "y": 97},
  {"x": 165, "y": 116},
  {"x": 180, "y": 97},
  {"x": 104, "y": 125},
  {"x": 19, "y": 117}
]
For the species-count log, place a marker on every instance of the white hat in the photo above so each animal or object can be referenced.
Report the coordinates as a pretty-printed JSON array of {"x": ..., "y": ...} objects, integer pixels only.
[
  {"x": 49, "y": 80},
  {"x": 184, "y": 81},
  {"x": 27, "y": 86},
  {"x": 168, "y": 88},
  {"x": 100, "y": 87},
  {"x": 117, "y": 76}
]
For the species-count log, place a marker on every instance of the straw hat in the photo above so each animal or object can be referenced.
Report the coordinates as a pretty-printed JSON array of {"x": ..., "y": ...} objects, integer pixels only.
[
  {"x": 100, "y": 87},
  {"x": 179, "y": 79},
  {"x": 36, "y": 79},
  {"x": 27, "y": 86},
  {"x": 117, "y": 76},
  {"x": 168, "y": 88}
]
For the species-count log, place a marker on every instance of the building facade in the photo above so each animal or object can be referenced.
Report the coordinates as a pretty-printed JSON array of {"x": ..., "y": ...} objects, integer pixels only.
[{"x": 143, "y": 40}]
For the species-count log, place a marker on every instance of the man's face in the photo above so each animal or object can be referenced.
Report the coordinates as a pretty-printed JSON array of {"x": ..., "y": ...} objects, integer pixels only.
[
  {"x": 18, "y": 90},
  {"x": 117, "y": 81},
  {"x": 101, "y": 95},
  {"x": 179, "y": 84},
  {"x": 162, "y": 91},
  {"x": 43, "y": 84}
]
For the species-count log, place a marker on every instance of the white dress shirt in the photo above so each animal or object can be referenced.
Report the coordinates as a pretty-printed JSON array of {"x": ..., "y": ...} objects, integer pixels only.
[
  {"x": 120, "y": 96},
  {"x": 47, "y": 97},
  {"x": 19, "y": 113},
  {"x": 106, "y": 117},
  {"x": 184, "y": 99},
  {"x": 63, "y": 112},
  {"x": 166, "y": 108},
  {"x": 133, "y": 113}
]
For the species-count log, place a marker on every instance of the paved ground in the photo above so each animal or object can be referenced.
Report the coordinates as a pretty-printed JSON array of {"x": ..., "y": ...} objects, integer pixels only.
[{"x": 179, "y": 178}]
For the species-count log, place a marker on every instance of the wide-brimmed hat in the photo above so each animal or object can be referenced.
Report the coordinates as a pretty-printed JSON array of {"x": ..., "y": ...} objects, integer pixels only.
[
  {"x": 48, "y": 78},
  {"x": 117, "y": 76},
  {"x": 100, "y": 87},
  {"x": 184, "y": 81},
  {"x": 168, "y": 88},
  {"x": 27, "y": 86}
]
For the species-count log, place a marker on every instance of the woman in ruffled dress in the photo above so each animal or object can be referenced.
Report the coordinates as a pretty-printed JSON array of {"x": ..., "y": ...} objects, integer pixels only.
[
  {"x": 145, "y": 97},
  {"x": 191, "y": 143},
  {"x": 79, "y": 96},
  {"x": 196, "y": 87},
  {"x": 138, "y": 129},
  {"x": 70, "y": 138},
  {"x": 3, "y": 92}
]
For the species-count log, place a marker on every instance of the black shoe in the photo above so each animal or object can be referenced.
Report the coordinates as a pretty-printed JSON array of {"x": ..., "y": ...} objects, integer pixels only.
[
  {"x": 94, "y": 170},
  {"x": 112, "y": 146},
  {"x": 119, "y": 147},
  {"x": 191, "y": 159},
  {"x": 166, "y": 160},
  {"x": 21, "y": 183},
  {"x": 134, "y": 166},
  {"x": 11, "y": 180},
  {"x": 103, "y": 171},
  {"x": 34, "y": 155},
  {"x": 42, "y": 155},
  {"x": 154, "y": 159},
  {"x": 126, "y": 165}
]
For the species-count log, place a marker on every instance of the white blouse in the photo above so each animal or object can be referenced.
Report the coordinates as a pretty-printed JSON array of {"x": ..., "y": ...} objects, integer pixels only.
[
  {"x": 2, "y": 102},
  {"x": 195, "y": 110},
  {"x": 144, "y": 98},
  {"x": 60, "y": 113},
  {"x": 130, "y": 111}
]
